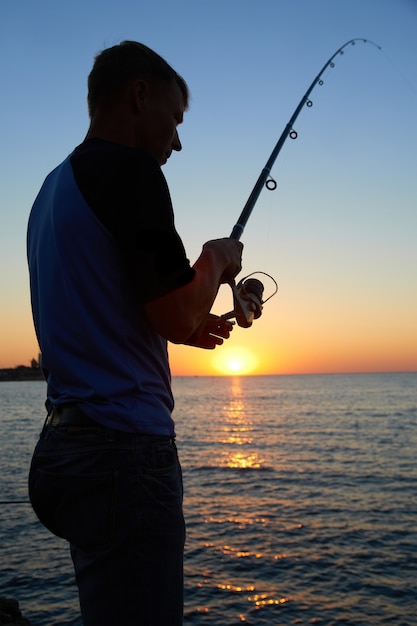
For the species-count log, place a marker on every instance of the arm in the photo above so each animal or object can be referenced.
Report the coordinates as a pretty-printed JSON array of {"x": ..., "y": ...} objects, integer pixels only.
[{"x": 182, "y": 314}]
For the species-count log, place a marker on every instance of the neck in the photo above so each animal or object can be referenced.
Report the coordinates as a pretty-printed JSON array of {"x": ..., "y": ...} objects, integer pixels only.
[{"x": 110, "y": 127}]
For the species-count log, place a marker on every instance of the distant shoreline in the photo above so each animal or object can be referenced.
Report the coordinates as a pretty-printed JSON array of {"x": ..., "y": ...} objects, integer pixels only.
[{"x": 21, "y": 372}]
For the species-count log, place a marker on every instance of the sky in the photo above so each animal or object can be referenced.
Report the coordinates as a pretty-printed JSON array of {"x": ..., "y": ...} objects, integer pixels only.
[{"x": 338, "y": 234}]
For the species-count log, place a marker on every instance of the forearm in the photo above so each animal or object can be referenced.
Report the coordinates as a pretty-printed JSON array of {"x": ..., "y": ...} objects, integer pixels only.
[{"x": 180, "y": 313}]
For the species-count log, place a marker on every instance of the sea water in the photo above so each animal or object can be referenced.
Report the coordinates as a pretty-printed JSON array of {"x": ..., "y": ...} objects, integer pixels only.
[{"x": 300, "y": 502}]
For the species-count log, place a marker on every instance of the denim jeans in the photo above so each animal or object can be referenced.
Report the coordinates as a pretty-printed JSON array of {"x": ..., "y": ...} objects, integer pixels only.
[{"x": 117, "y": 499}]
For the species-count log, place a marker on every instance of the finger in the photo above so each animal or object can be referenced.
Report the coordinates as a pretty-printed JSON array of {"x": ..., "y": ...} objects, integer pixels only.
[
  {"x": 221, "y": 331},
  {"x": 210, "y": 342}
]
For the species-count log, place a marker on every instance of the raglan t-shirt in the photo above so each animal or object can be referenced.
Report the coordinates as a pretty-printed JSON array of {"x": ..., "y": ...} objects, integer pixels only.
[{"x": 101, "y": 242}]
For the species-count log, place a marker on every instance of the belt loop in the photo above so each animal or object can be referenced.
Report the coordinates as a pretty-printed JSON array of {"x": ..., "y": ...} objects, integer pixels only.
[
  {"x": 110, "y": 435},
  {"x": 45, "y": 426}
]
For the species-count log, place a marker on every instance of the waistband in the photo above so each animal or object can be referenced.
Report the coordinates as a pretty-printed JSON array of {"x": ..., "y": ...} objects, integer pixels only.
[
  {"x": 69, "y": 415},
  {"x": 77, "y": 422}
]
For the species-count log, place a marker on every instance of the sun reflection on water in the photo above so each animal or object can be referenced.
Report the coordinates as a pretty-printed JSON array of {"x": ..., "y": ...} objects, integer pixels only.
[
  {"x": 258, "y": 600},
  {"x": 238, "y": 449},
  {"x": 244, "y": 461},
  {"x": 255, "y": 599},
  {"x": 237, "y": 431},
  {"x": 263, "y": 600}
]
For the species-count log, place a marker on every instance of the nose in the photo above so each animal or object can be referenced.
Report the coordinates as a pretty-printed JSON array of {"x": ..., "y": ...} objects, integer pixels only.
[{"x": 176, "y": 143}]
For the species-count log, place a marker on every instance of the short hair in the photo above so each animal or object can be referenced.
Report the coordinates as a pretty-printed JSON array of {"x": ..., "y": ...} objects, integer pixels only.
[{"x": 114, "y": 67}]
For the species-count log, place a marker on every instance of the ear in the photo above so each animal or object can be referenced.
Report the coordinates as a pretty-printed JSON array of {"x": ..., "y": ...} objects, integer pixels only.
[{"x": 140, "y": 92}]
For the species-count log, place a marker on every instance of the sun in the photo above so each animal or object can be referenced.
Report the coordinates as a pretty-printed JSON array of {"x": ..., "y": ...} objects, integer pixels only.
[
  {"x": 234, "y": 360},
  {"x": 235, "y": 365}
]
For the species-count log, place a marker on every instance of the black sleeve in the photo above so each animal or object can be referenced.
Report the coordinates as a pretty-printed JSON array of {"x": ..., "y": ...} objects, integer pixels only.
[{"x": 127, "y": 191}]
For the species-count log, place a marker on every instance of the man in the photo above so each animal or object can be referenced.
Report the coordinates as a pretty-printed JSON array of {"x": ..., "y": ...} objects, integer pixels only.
[{"x": 110, "y": 284}]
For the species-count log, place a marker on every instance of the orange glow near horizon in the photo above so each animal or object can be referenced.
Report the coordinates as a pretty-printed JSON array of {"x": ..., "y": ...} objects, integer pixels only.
[
  {"x": 235, "y": 360},
  {"x": 266, "y": 358},
  {"x": 285, "y": 346},
  {"x": 295, "y": 335}
]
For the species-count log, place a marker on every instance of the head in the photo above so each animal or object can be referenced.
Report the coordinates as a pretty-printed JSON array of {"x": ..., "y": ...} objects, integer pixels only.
[{"x": 132, "y": 76}]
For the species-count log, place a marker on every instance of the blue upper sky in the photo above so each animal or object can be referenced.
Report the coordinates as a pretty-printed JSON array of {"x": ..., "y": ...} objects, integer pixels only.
[{"x": 344, "y": 214}]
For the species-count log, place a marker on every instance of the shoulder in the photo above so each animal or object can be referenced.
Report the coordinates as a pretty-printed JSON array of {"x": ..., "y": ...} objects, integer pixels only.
[
  {"x": 117, "y": 180},
  {"x": 98, "y": 155}
]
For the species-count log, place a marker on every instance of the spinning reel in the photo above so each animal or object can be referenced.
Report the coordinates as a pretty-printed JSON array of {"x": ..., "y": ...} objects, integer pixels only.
[{"x": 247, "y": 299}]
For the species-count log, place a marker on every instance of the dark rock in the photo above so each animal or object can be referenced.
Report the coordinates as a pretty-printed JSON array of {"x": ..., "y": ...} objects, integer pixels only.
[{"x": 10, "y": 613}]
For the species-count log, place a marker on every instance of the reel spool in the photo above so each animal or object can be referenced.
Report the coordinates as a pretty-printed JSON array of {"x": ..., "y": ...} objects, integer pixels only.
[{"x": 247, "y": 299}]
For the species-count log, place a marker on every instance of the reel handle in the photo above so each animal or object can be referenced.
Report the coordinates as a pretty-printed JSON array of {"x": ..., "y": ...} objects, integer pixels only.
[{"x": 247, "y": 301}]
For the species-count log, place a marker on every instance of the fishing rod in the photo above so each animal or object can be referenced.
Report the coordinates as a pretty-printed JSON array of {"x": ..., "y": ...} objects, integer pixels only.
[
  {"x": 265, "y": 176},
  {"x": 248, "y": 295}
]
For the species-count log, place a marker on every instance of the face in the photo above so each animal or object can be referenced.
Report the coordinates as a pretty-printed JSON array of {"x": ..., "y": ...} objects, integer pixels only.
[{"x": 162, "y": 110}]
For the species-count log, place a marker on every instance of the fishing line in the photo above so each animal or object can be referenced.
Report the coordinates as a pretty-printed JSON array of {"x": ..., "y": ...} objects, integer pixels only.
[{"x": 400, "y": 73}]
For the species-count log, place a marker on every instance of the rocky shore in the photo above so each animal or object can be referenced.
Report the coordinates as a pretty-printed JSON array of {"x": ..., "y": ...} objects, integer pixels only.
[{"x": 10, "y": 614}]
